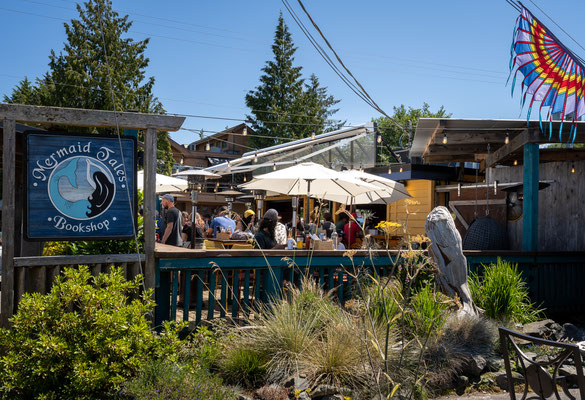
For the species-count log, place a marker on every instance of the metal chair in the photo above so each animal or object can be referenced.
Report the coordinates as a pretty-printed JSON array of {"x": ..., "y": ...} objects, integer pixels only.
[{"x": 536, "y": 374}]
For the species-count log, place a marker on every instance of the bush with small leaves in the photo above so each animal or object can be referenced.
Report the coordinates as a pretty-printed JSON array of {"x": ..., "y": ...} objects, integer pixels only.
[{"x": 82, "y": 340}]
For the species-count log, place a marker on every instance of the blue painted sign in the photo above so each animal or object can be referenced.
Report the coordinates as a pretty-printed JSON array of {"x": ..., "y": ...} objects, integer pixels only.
[{"x": 80, "y": 187}]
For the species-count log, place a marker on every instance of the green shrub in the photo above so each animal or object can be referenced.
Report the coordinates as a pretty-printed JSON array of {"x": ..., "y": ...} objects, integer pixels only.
[
  {"x": 243, "y": 365},
  {"x": 503, "y": 294},
  {"x": 82, "y": 340},
  {"x": 427, "y": 313},
  {"x": 383, "y": 300},
  {"x": 170, "y": 381}
]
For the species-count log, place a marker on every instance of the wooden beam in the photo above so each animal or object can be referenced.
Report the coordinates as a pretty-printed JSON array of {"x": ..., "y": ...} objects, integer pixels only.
[
  {"x": 76, "y": 260},
  {"x": 455, "y": 137},
  {"x": 530, "y": 203},
  {"x": 505, "y": 152},
  {"x": 8, "y": 226},
  {"x": 450, "y": 158},
  {"x": 149, "y": 206},
  {"x": 455, "y": 149},
  {"x": 82, "y": 117}
]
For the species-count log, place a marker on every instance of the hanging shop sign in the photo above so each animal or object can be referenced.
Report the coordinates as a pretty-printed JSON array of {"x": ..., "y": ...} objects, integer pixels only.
[{"x": 80, "y": 187}]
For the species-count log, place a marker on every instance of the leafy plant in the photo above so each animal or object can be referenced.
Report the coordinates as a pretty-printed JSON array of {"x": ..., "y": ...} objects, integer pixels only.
[
  {"x": 170, "y": 381},
  {"x": 428, "y": 310},
  {"x": 503, "y": 294},
  {"x": 81, "y": 340}
]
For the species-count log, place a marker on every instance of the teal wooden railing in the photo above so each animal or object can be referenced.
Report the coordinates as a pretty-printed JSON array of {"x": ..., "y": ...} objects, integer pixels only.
[
  {"x": 220, "y": 283},
  {"x": 197, "y": 286}
]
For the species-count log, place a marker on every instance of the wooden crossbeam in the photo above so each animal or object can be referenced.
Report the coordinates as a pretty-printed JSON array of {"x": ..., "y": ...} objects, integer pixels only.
[
  {"x": 493, "y": 137},
  {"x": 94, "y": 118},
  {"x": 506, "y": 151},
  {"x": 450, "y": 149}
]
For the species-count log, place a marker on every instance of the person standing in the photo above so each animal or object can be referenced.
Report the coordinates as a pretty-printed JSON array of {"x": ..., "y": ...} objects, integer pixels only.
[
  {"x": 173, "y": 222},
  {"x": 222, "y": 221}
]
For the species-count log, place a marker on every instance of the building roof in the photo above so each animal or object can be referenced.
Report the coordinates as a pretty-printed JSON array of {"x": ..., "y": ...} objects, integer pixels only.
[
  {"x": 233, "y": 129},
  {"x": 482, "y": 140}
]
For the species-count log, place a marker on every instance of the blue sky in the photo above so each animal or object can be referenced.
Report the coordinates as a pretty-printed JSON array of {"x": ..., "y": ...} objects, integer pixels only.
[{"x": 205, "y": 55}]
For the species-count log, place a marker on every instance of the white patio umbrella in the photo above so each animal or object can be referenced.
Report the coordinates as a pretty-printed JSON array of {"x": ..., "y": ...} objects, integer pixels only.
[
  {"x": 197, "y": 172},
  {"x": 310, "y": 179},
  {"x": 164, "y": 183},
  {"x": 388, "y": 190}
]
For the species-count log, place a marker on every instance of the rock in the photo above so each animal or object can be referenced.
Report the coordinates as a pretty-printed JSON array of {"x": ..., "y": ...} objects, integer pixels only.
[
  {"x": 330, "y": 397},
  {"x": 530, "y": 355},
  {"x": 546, "y": 329},
  {"x": 271, "y": 392},
  {"x": 296, "y": 383},
  {"x": 461, "y": 383},
  {"x": 572, "y": 333},
  {"x": 242, "y": 397},
  {"x": 323, "y": 390},
  {"x": 473, "y": 366},
  {"x": 304, "y": 396},
  {"x": 570, "y": 372},
  {"x": 502, "y": 379},
  {"x": 494, "y": 364}
]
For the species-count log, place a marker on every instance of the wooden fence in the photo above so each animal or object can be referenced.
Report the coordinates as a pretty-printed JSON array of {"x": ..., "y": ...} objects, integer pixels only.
[{"x": 37, "y": 274}]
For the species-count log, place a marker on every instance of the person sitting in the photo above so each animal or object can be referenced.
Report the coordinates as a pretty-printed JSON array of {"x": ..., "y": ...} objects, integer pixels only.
[
  {"x": 244, "y": 226},
  {"x": 328, "y": 224},
  {"x": 280, "y": 232},
  {"x": 187, "y": 230},
  {"x": 340, "y": 224},
  {"x": 199, "y": 231},
  {"x": 222, "y": 221},
  {"x": 351, "y": 230},
  {"x": 265, "y": 237}
]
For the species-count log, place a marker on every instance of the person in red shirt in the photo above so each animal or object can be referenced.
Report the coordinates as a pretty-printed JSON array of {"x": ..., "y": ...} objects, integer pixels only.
[{"x": 350, "y": 231}]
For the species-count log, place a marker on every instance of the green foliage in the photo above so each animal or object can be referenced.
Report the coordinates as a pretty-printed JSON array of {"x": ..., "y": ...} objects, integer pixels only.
[
  {"x": 284, "y": 100},
  {"x": 243, "y": 365},
  {"x": 81, "y": 340},
  {"x": 383, "y": 299},
  {"x": 404, "y": 117},
  {"x": 503, "y": 294},
  {"x": 80, "y": 77},
  {"x": 170, "y": 381},
  {"x": 428, "y": 310}
]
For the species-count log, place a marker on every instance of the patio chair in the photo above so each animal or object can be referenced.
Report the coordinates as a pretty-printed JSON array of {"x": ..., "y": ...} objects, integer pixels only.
[
  {"x": 241, "y": 246},
  {"x": 210, "y": 244},
  {"x": 536, "y": 373}
]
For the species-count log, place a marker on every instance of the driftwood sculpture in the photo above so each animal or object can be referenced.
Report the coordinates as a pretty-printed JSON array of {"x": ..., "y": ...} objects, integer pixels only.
[{"x": 447, "y": 251}]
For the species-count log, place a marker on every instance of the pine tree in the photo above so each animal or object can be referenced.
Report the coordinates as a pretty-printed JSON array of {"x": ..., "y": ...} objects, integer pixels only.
[
  {"x": 283, "y": 105},
  {"x": 80, "y": 75}
]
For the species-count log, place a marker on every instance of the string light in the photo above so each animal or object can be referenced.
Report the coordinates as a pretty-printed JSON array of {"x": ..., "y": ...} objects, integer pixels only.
[
  {"x": 217, "y": 184},
  {"x": 231, "y": 187},
  {"x": 507, "y": 137},
  {"x": 207, "y": 147},
  {"x": 389, "y": 170},
  {"x": 573, "y": 168},
  {"x": 245, "y": 131},
  {"x": 182, "y": 160},
  {"x": 401, "y": 169},
  {"x": 215, "y": 190},
  {"x": 313, "y": 136},
  {"x": 245, "y": 178},
  {"x": 255, "y": 158},
  {"x": 379, "y": 139},
  {"x": 515, "y": 162},
  {"x": 274, "y": 167},
  {"x": 445, "y": 138}
]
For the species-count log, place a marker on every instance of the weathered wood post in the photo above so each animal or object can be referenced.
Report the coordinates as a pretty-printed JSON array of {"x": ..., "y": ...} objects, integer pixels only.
[
  {"x": 8, "y": 212},
  {"x": 149, "y": 205},
  {"x": 530, "y": 179},
  {"x": 447, "y": 251}
]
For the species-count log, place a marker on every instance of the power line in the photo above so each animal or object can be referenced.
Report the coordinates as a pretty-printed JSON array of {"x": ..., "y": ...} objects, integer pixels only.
[{"x": 371, "y": 101}]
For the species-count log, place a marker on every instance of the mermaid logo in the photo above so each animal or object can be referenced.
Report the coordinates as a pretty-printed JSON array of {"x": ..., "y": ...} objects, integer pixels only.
[{"x": 81, "y": 187}]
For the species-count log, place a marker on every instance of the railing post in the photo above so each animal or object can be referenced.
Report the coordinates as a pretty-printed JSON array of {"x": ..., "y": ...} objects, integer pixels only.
[
  {"x": 149, "y": 206},
  {"x": 530, "y": 203}
]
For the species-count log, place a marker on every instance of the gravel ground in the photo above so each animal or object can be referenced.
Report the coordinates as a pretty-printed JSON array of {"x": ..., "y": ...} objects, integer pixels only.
[{"x": 500, "y": 396}]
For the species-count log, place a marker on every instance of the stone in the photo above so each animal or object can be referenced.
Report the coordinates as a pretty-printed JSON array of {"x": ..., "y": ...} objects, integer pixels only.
[
  {"x": 304, "y": 396},
  {"x": 530, "y": 355},
  {"x": 572, "y": 333},
  {"x": 502, "y": 379},
  {"x": 296, "y": 383},
  {"x": 570, "y": 372},
  {"x": 546, "y": 329},
  {"x": 473, "y": 366},
  {"x": 461, "y": 383},
  {"x": 323, "y": 390},
  {"x": 242, "y": 397},
  {"x": 494, "y": 364}
]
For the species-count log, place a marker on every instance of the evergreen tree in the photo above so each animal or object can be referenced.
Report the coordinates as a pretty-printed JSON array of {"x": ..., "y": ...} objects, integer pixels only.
[
  {"x": 80, "y": 75},
  {"x": 283, "y": 105}
]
